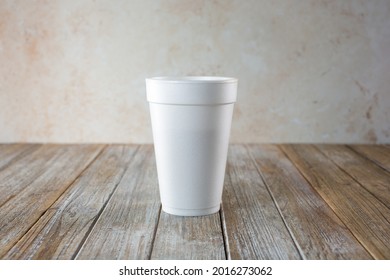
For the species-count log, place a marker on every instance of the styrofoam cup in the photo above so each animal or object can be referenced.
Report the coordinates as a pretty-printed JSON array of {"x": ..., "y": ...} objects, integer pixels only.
[{"x": 191, "y": 119}]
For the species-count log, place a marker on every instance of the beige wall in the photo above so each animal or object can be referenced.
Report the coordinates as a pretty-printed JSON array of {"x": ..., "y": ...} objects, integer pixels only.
[{"x": 309, "y": 71}]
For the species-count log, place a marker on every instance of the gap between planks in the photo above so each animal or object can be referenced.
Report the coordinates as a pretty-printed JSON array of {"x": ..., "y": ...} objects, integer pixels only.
[
  {"x": 361, "y": 212},
  {"x": 20, "y": 214},
  {"x": 77, "y": 209},
  {"x": 254, "y": 228},
  {"x": 379, "y": 154},
  {"x": 316, "y": 229},
  {"x": 263, "y": 178},
  {"x": 10, "y": 153},
  {"x": 126, "y": 228},
  {"x": 226, "y": 241},
  {"x": 365, "y": 172}
]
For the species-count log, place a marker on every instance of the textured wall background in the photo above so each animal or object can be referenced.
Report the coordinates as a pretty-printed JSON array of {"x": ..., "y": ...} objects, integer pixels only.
[{"x": 309, "y": 71}]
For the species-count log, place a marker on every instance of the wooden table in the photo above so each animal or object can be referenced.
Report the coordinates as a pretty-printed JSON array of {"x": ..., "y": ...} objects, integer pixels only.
[{"x": 279, "y": 202}]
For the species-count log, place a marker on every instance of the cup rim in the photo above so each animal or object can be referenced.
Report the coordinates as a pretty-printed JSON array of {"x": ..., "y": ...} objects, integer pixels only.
[{"x": 193, "y": 79}]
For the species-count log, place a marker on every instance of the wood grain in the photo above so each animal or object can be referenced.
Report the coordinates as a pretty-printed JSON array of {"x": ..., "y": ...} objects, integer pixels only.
[
  {"x": 46, "y": 183},
  {"x": 189, "y": 238},
  {"x": 254, "y": 228},
  {"x": 368, "y": 174},
  {"x": 366, "y": 217},
  {"x": 10, "y": 153},
  {"x": 317, "y": 231},
  {"x": 43, "y": 162},
  {"x": 380, "y": 154},
  {"x": 126, "y": 228},
  {"x": 279, "y": 202},
  {"x": 59, "y": 233}
]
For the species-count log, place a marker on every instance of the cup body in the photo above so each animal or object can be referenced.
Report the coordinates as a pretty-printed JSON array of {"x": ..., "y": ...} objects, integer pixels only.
[{"x": 191, "y": 120}]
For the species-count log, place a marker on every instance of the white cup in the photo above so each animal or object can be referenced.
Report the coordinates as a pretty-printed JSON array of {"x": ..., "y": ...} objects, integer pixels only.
[{"x": 191, "y": 120}]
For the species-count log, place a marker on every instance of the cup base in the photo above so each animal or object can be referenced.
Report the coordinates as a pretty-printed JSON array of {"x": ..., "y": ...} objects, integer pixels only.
[{"x": 191, "y": 212}]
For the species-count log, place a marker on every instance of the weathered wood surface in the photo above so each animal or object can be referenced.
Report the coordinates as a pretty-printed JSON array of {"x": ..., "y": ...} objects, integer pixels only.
[
  {"x": 380, "y": 154},
  {"x": 366, "y": 217},
  {"x": 74, "y": 214},
  {"x": 19, "y": 174},
  {"x": 317, "y": 230},
  {"x": 254, "y": 227},
  {"x": 371, "y": 176},
  {"x": 46, "y": 176},
  {"x": 198, "y": 238},
  {"x": 12, "y": 152},
  {"x": 279, "y": 202},
  {"x": 126, "y": 227}
]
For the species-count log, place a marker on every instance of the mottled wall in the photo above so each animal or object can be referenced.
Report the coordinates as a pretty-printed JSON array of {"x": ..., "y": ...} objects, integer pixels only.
[{"x": 309, "y": 71}]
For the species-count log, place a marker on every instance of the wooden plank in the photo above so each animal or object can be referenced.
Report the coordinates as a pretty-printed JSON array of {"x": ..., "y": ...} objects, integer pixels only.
[
  {"x": 126, "y": 228},
  {"x": 59, "y": 233},
  {"x": 368, "y": 174},
  {"x": 380, "y": 154},
  {"x": 9, "y": 149},
  {"x": 254, "y": 228},
  {"x": 13, "y": 152},
  {"x": 366, "y": 217},
  {"x": 316, "y": 229},
  {"x": 40, "y": 165},
  {"x": 189, "y": 238},
  {"x": 20, "y": 212}
]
